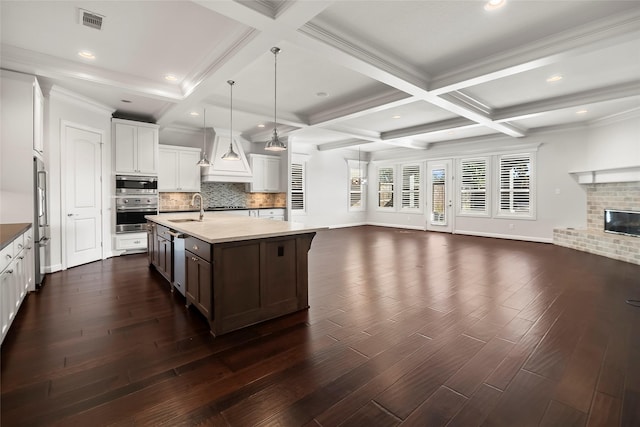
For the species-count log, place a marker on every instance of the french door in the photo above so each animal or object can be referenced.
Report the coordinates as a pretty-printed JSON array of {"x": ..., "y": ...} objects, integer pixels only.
[{"x": 440, "y": 196}]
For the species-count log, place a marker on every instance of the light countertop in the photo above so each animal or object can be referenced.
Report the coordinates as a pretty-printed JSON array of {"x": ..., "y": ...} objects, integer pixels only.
[{"x": 231, "y": 228}]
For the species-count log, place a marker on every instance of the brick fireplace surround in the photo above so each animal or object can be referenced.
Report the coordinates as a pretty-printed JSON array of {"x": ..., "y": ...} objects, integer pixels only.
[{"x": 620, "y": 196}]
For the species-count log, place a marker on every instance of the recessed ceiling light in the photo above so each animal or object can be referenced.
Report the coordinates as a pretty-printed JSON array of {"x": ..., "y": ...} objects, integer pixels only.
[
  {"x": 194, "y": 113},
  {"x": 86, "y": 54},
  {"x": 261, "y": 125},
  {"x": 322, "y": 94},
  {"x": 582, "y": 111},
  {"x": 494, "y": 4},
  {"x": 397, "y": 116},
  {"x": 170, "y": 78},
  {"x": 554, "y": 78},
  {"x": 126, "y": 101}
]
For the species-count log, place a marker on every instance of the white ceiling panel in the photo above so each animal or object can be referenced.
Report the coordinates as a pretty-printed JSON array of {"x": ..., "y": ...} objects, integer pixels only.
[
  {"x": 407, "y": 115},
  {"x": 593, "y": 70},
  {"x": 582, "y": 113},
  {"x": 438, "y": 36}
]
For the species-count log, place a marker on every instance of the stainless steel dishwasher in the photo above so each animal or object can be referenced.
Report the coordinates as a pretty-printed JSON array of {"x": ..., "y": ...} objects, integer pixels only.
[{"x": 179, "y": 274}]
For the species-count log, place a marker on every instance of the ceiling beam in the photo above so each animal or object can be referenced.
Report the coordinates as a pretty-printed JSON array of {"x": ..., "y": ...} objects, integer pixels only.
[
  {"x": 341, "y": 144},
  {"x": 624, "y": 90},
  {"x": 426, "y": 128}
]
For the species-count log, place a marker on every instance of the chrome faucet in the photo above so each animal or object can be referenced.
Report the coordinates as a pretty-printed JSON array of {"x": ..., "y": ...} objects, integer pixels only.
[{"x": 193, "y": 199}]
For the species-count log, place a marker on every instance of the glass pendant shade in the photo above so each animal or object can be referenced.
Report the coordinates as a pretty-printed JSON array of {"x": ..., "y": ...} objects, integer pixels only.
[
  {"x": 230, "y": 154},
  {"x": 204, "y": 162},
  {"x": 274, "y": 144}
]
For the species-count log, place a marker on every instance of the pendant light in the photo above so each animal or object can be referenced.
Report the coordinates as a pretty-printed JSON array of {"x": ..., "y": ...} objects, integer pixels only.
[
  {"x": 274, "y": 144},
  {"x": 203, "y": 163},
  {"x": 231, "y": 155}
]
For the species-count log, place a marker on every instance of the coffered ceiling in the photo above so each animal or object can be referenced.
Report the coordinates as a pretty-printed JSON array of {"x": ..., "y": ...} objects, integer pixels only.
[{"x": 379, "y": 75}]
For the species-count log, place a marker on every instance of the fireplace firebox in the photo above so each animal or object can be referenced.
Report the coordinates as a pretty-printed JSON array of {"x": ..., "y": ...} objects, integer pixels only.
[{"x": 622, "y": 222}]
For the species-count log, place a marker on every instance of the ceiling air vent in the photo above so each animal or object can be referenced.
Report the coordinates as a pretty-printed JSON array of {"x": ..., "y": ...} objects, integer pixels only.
[{"x": 90, "y": 19}]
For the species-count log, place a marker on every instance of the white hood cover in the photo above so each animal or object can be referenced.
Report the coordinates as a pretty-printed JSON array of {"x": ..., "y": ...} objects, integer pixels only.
[{"x": 226, "y": 170}]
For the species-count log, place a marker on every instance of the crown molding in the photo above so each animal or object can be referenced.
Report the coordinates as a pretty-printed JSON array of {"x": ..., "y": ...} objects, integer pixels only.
[
  {"x": 59, "y": 93},
  {"x": 633, "y": 113}
]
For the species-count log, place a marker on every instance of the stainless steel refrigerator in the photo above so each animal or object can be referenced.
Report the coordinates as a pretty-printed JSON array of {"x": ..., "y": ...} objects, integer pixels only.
[{"x": 40, "y": 219}]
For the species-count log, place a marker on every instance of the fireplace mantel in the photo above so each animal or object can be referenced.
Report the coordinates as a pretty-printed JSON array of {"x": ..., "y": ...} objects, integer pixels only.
[{"x": 598, "y": 176}]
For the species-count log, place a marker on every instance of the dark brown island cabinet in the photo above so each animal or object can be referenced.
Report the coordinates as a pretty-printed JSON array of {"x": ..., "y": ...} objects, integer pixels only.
[{"x": 237, "y": 283}]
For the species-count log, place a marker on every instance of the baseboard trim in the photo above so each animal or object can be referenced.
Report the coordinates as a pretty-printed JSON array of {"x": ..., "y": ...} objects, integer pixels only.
[
  {"x": 505, "y": 236},
  {"x": 52, "y": 268},
  {"x": 409, "y": 227},
  {"x": 355, "y": 224}
]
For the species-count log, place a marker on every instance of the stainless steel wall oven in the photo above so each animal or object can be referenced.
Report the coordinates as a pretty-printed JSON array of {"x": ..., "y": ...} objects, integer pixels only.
[{"x": 136, "y": 196}]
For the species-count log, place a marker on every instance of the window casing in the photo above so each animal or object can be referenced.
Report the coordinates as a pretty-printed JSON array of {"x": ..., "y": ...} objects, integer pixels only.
[
  {"x": 410, "y": 193},
  {"x": 298, "y": 200},
  {"x": 473, "y": 187},
  {"x": 357, "y": 172},
  {"x": 516, "y": 186},
  {"x": 386, "y": 187}
]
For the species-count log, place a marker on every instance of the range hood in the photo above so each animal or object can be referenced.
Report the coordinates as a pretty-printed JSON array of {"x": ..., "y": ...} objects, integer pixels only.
[{"x": 226, "y": 170}]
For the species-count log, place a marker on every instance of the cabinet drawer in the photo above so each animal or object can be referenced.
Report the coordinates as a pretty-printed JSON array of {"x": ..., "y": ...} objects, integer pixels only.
[
  {"x": 164, "y": 232},
  {"x": 198, "y": 247},
  {"x": 270, "y": 212},
  {"x": 18, "y": 244},
  {"x": 131, "y": 241},
  {"x": 6, "y": 256}
]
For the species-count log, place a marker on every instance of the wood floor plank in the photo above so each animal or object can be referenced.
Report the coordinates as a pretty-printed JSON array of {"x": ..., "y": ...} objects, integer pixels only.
[
  {"x": 388, "y": 339},
  {"x": 476, "y": 409},
  {"x": 523, "y": 403}
]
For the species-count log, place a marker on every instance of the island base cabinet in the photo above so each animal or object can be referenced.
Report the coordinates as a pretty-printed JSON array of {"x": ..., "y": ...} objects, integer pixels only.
[
  {"x": 258, "y": 280},
  {"x": 198, "y": 283}
]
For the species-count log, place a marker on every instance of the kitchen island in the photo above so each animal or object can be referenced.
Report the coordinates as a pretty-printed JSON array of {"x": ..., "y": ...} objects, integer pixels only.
[{"x": 238, "y": 271}]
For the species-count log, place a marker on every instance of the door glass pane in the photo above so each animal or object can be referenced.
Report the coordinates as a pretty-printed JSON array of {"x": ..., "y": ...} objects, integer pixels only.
[{"x": 438, "y": 197}]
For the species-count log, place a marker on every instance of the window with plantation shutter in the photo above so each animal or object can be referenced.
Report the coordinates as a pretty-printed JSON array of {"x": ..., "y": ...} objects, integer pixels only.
[
  {"x": 386, "y": 187},
  {"x": 410, "y": 193},
  {"x": 356, "y": 185},
  {"x": 473, "y": 177},
  {"x": 515, "y": 177},
  {"x": 298, "y": 187}
]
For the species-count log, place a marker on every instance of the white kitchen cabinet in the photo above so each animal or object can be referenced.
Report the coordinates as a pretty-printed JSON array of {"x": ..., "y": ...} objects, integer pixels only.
[
  {"x": 38, "y": 118},
  {"x": 178, "y": 170},
  {"x": 136, "y": 147},
  {"x": 266, "y": 174},
  {"x": 16, "y": 276},
  {"x": 276, "y": 214},
  {"x": 131, "y": 242}
]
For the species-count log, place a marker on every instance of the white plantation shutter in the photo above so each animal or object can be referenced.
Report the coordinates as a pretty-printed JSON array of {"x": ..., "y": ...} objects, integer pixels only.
[
  {"x": 410, "y": 196},
  {"x": 515, "y": 177},
  {"x": 473, "y": 186},
  {"x": 297, "y": 187},
  {"x": 386, "y": 190},
  {"x": 356, "y": 195}
]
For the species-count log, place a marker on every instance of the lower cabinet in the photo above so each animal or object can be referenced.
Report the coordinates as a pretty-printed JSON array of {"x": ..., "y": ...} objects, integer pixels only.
[
  {"x": 160, "y": 242},
  {"x": 198, "y": 283},
  {"x": 131, "y": 241},
  {"x": 16, "y": 278}
]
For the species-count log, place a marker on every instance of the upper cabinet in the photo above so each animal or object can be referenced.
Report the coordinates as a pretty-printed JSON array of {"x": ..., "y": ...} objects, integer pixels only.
[
  {"x": 38, "y": 118},
  {"x": 178, "y": 169},
  {"x": 136, "y": 147},
  {"x": 266, "y": 174}
]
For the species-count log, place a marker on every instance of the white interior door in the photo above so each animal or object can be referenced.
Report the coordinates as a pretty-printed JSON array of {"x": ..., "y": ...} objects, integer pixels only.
[
  {"x": 440, "y": 196},
  {"x": 83, "y": 200}
]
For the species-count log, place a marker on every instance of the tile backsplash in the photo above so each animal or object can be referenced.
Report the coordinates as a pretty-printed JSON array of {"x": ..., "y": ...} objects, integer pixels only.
[{"x": 223, "y": 194}]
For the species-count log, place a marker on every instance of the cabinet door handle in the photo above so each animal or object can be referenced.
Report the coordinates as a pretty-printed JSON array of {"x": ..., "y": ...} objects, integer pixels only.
[
  {"x": 20, "y": 257},
  {"x": 9, "y": 256},
  {"x": 10, "y": 271},
  {"x": 195, "y": 247},
  {"x": 20, "y": 246}
]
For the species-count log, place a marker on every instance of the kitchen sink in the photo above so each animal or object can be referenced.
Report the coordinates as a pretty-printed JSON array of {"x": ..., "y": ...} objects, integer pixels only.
[{"x": 184, "y": 220}]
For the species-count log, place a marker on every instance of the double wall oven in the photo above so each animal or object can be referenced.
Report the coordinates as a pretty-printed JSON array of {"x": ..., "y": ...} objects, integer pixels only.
[{"x": 136, "y": 196}]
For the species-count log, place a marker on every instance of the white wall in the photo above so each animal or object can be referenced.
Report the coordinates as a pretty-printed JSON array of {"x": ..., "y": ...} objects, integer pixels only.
[
  {"x": 327, "y": 188},
  {"x": 60, "y": 106},
  {"x": 614, "y": 143},
  {"x": 16, "y": 149}
]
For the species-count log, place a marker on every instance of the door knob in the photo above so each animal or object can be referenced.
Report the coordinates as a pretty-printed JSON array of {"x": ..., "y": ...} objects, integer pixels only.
[{"x": 69, "y": 214}]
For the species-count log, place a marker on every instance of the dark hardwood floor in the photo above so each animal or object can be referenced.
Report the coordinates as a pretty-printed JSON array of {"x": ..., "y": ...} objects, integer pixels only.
[{"x": 405, "y": 328}]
